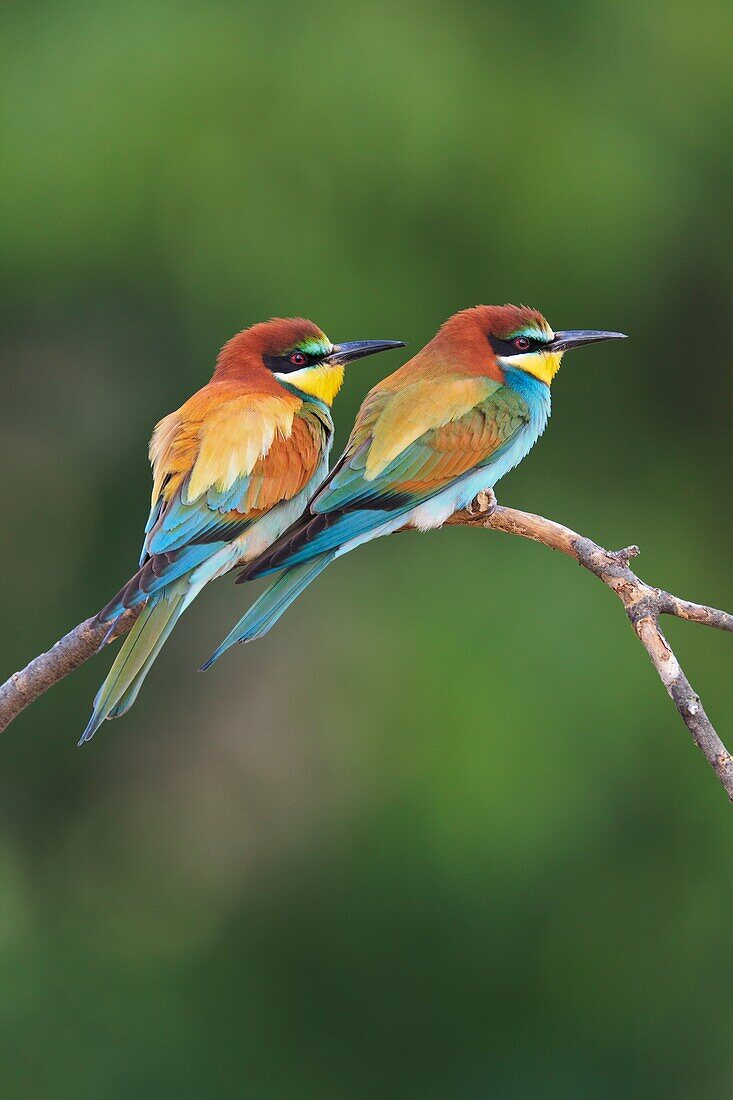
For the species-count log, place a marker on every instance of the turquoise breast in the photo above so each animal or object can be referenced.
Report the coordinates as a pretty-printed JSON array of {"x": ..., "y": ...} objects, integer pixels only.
[{"x": 536, "y": 394}]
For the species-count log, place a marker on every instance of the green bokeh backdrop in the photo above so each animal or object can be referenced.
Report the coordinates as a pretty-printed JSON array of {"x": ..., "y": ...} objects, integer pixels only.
[{"x": 440, "y": 835}]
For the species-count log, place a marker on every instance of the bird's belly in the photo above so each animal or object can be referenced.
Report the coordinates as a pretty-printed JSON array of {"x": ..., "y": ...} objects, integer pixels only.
[{"x": 434, "y": 512}]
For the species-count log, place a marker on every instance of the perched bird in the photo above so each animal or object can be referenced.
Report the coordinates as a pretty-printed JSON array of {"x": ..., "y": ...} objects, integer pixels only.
[
  {"x": 427, "y": 439},
  {"x": 232, "y": 469}
]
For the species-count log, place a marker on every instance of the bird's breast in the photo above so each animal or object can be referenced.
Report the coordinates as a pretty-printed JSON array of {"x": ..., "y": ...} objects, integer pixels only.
[{"x": 536, "y": 395}]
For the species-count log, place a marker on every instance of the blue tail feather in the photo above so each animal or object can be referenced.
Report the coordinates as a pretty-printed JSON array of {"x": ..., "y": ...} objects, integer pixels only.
[
  {"x": 135, "y": 659},
  {"x": 350, "y": 526},
  {"x": 274, "y": 602}
]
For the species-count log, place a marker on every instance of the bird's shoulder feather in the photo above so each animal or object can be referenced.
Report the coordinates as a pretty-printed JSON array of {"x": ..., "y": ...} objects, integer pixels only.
[
  {"x": 217, "y": 436},
  {"x": 412, "y": 442},
  {"x": 289, "y": 463},
  {"x": 228, "y": 454},
  {"x": 395, "y": 420}
]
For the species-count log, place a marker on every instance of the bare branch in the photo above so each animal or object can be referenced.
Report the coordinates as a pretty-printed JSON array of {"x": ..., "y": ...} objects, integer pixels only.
[
  {"x": 643, "y": 605},
  {"x": 694, "y": 612},
  {"x": 44, "y": 671}
]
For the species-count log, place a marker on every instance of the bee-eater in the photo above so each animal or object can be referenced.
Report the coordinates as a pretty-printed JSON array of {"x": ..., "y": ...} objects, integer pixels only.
[
  {"x": 232, "y": 469},
  {"x": 427, "y": 439}
]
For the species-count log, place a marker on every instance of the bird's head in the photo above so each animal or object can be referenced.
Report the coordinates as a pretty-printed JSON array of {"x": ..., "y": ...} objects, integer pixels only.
[
  {"x": 298, "y": 354},
  {"x": 516, "y": 338}
]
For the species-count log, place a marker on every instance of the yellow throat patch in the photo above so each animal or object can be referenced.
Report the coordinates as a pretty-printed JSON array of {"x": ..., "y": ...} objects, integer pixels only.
[
  {"x": 322, "y": 382},
  {"x": 543, "y": 365}
]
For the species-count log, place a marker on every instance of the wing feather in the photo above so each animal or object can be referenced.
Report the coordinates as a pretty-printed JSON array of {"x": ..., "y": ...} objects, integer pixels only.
[
  {"x": 234, "y": 438},
  {"x": 416, "y": 409},
  {"x": 445, "y": 430},
  {"x": 219, "y": 463},
  {"x": 354, "y": 499}
]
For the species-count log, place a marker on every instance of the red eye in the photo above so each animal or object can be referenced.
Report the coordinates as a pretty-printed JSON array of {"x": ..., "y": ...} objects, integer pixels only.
[
  {"x": 521, "y": 343},
  {"x": 298, "y": 359}
]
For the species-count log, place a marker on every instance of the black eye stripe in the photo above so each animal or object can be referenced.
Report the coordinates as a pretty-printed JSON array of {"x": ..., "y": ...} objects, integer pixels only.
[
  {"x": 507, "y": 347},
  {"x": 281, "y": 363}
]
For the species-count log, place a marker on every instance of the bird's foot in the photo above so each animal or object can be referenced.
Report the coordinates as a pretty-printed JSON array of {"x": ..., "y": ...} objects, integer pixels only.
[{"x": 483, "y": 504}]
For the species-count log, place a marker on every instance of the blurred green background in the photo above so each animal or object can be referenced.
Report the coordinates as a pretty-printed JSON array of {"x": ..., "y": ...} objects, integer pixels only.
[{"x": 441, "y": 834}]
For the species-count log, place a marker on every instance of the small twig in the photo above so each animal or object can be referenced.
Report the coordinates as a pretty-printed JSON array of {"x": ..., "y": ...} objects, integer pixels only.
[{"x": 643, "y": 605}]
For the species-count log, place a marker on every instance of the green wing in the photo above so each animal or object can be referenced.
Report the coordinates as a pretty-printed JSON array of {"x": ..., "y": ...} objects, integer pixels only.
[{"x": 371, "y": 484}]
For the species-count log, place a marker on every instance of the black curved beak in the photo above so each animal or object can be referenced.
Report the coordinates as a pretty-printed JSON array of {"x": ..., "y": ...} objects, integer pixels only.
[
  {"x": 358, "y": 349},
  {"x": 575, "y": 338}
]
